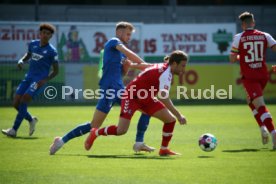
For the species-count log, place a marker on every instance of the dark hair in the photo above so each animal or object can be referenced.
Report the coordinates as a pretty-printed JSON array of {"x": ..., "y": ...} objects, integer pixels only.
[
  {"x": 176, "y": 56},
  {"x": 246, "y": 17},
  {"x": 124, "y": 25},
  {"x": 48, "y": 27}
]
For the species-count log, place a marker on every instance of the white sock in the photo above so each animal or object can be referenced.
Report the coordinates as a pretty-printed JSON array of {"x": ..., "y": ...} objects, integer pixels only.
[{"x": 263, "y": 128}]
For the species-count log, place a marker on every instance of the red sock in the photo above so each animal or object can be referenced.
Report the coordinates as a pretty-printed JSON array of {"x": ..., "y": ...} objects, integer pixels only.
[
  {"x": 256, "y": 115},
  {"x": 167, "y": 133},
  {"x": 109, "y": 130},
  {"x": 266, "y": 118}
]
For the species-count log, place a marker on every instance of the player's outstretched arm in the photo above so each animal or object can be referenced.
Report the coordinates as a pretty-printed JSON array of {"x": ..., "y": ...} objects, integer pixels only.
[
  {"x": 24, "y": 59},
  {"x": 168, "y": 103},
  {"x": 129, "y": 54},
  {"x": 128, "y": 64},
  {"x": 141, "y": 66}
]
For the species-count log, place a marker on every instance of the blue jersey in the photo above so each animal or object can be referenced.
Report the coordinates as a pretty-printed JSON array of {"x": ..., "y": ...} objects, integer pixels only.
[
  {"x": 41, "y": 60},
  {"x": 112, "y": 65}
]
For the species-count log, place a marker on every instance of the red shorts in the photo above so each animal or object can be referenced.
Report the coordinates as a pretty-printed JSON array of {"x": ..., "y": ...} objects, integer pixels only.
[
  {"x": 148, "y": 106},
  {"x": 254, "y": 88}
]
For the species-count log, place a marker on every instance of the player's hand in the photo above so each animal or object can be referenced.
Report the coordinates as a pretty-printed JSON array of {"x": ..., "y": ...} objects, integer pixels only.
[
  {"x": 274, "y": 68},
  {"x": 127, "y": 63},
  {"x": 20, "y": 64},
  {"x": 238, "y": 57},
  {"x": 182, "y": 120},
  {"x": 41, "y": 83}
]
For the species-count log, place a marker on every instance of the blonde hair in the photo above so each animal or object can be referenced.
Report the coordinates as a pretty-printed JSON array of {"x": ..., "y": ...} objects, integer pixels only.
[{"x": 125, "y": 25}]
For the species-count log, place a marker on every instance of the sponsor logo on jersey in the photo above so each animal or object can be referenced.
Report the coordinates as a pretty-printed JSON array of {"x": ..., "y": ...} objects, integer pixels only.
[
  {"x": 36, "y": 57},
  {"x": 252, "y": 38}
]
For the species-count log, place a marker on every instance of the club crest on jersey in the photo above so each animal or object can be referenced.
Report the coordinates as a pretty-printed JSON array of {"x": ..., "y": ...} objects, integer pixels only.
[
  {"x": 45, "y": 52},
  {"x": 36, "y": 57}
]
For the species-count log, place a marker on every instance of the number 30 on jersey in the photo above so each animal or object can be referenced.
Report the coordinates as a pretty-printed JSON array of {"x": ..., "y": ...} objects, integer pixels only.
[{"x": 255, "y": 51}]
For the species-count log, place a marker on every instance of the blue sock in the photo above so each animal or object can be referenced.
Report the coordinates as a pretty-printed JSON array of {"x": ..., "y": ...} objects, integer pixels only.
[
  {"x": 76, "y": 132},
  {"x": 142, "y": 127},
  {"x": 28, "y": 117},
  {"x": 22, "y": 110}
]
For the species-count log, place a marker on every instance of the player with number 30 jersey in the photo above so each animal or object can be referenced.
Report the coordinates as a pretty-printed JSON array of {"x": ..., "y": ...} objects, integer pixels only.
[{"x": 249, "y": 47}]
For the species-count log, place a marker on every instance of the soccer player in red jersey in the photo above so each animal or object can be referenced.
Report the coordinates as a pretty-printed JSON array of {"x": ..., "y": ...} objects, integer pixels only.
[
  {"x": 249, "y": 47},
  {"x": 140, "y": 95}
]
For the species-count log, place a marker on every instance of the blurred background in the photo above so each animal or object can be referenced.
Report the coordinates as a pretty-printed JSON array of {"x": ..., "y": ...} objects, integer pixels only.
[{"x": 202, "y": 28}]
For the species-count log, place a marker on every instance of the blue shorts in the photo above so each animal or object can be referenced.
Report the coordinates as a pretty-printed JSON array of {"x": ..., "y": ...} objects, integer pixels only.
[
  {"x": 28, "y": 86},
  {"x": 106, "y": 102}
]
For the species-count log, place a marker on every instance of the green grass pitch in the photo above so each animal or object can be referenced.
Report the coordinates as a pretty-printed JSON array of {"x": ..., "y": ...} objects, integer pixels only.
[{"x": 240, "y": 157}]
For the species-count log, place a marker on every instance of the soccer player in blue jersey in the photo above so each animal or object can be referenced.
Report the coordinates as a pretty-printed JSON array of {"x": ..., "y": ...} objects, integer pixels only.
[
  {"x": 41, "y": 56},
  {"x": 115, "y": 58}
]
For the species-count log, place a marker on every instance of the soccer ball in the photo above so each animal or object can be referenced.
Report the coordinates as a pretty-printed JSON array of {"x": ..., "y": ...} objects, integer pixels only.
[{"x": 207, "y": 142}]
